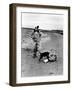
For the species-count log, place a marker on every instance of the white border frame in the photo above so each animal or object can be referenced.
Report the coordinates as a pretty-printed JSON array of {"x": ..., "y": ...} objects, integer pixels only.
[{"x": 63, "y": 77}]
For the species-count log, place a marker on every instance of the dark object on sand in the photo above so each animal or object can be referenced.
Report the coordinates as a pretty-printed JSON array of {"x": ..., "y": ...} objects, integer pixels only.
[{"x": 47, "y": 57}]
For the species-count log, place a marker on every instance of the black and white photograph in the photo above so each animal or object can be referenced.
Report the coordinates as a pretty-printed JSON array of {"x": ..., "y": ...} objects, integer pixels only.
[
  {"x": 41, "y": 44},
  {"x": 40, "y": 52}
]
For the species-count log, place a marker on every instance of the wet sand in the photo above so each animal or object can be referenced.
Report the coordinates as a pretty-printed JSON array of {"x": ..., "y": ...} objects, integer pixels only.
[{"x": 31, "y": 67}]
